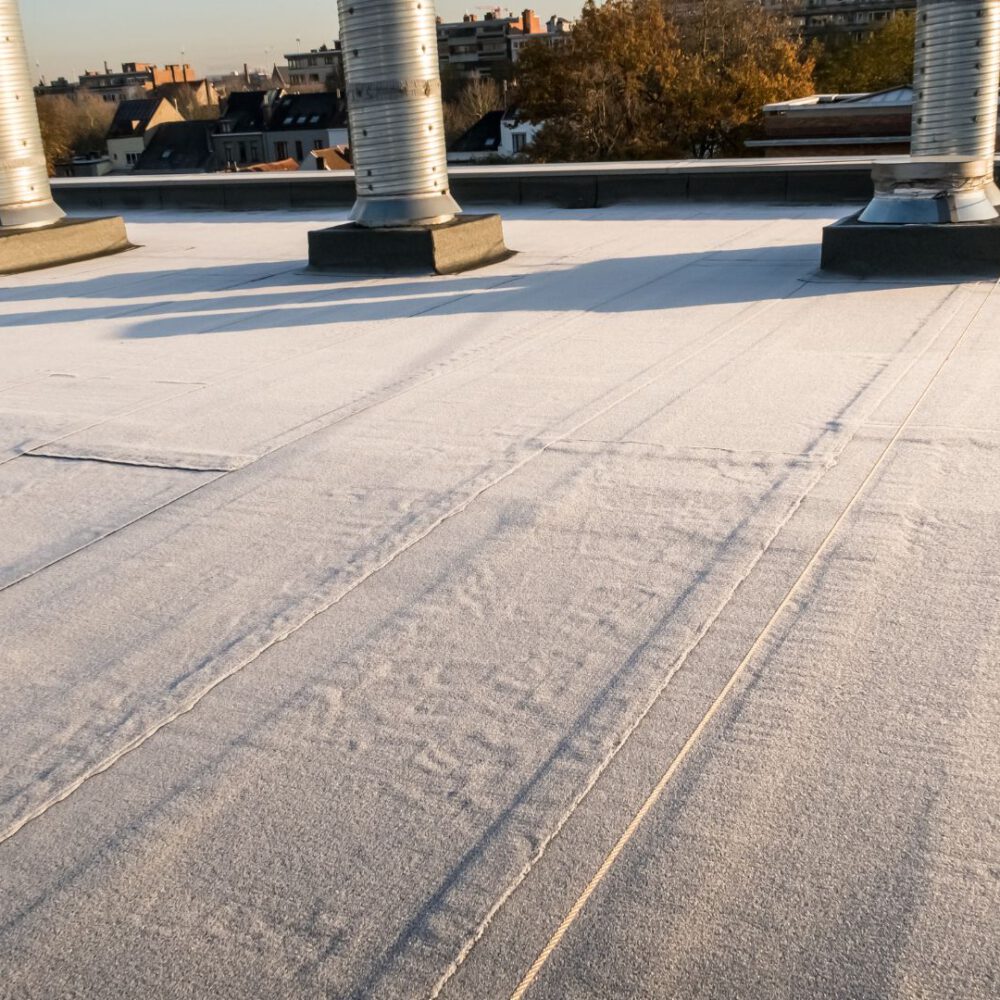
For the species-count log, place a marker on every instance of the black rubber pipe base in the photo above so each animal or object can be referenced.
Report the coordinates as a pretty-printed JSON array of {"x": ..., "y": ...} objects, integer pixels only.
[
  {"x": 468, "y": 242},
  {"x": 963, "y": 249}
]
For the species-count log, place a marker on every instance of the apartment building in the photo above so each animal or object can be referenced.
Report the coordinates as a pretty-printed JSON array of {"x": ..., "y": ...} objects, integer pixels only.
[
  {"x": 850, "y": 18},
  {"x": 270, "y": 126},
  {"x": 490, "y": 46},
  {"x": 317, "y": 68},
  {"x": 557, "y": 31},
  {"x": 134, "y": 81}
]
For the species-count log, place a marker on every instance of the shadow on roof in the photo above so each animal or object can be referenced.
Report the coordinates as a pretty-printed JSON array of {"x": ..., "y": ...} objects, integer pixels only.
[{"x": 282, "y": 295}]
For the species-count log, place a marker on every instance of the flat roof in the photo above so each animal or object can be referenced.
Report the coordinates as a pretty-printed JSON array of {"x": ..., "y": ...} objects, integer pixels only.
[{"x": 630, "y": 606}]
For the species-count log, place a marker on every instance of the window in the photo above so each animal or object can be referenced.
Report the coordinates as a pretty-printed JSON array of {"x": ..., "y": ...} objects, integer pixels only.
[
  {"x": 131, "y": 158},
  {"x": 314, "y": 120},
  {"x": 317, "y": 143},
  {"x": 228, "y": 150},
  {"x": 300, "y": 153},
  {"x": 520, "y": 141},
  {"x": 243, "y": 152},
  {"x": 281, "y": 150}
]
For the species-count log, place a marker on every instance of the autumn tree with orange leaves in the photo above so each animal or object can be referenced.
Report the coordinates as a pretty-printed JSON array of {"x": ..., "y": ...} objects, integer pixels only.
[{"x": 648, "y": 79}]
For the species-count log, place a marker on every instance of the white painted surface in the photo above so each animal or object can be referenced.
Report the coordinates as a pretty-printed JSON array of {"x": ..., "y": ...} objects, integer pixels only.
[{"x": 334, "y": 597}]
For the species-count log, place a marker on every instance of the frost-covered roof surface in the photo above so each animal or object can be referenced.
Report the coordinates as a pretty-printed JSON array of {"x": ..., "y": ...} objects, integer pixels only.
[{"x": 349, "y": 625}]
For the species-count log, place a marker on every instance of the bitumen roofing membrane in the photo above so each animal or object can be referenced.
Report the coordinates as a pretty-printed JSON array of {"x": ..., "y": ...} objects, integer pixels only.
[{"x": 618, "y": 621}]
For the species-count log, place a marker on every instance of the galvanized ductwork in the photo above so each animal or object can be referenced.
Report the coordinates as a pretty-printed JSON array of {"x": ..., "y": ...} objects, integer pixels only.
[
  {"x": 956, "y": 79},
  {"x": 394, "y": 101},
  {"x": 949, "y": 177},
  {"x": 25, "y": 195}
]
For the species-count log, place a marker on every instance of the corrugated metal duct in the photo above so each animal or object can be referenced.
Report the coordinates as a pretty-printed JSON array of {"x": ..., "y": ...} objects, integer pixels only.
[
  {"x": 394, "y": 102},
  {"x": 25, "y": 195}
]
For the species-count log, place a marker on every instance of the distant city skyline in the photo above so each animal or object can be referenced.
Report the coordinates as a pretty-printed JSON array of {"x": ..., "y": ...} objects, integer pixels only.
[{"x": 66, "y": 37}]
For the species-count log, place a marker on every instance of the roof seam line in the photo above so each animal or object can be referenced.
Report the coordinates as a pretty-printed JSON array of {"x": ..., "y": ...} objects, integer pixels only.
[
  {"x": 620, "y": 744},
  {"x": 531, "y": 976},
  {"x": 187, "y": 706},
  {"x": 136, "y": 464}
]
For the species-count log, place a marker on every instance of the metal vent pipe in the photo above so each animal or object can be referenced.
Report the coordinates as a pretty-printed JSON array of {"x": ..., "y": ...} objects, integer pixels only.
[
  {"x": 956, "y": 79},
  {"x": 949, "y": 176},
  {"x": 25, "y": 195},
  {"x": 394, "y": 104}
]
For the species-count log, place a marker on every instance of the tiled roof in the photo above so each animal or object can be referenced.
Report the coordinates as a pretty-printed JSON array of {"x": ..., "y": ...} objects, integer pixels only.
[
  {"x": 295, "y": 112},
  {"x": 133, "y": 117},
  {"x": 182, "y": 146}
]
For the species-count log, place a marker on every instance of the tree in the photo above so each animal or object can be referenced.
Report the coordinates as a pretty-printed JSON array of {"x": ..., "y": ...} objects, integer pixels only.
[
  {"x": 607, "y": 93},
  {"x": 880, "y": 61},
  {"x": 72, "y": 126},
  {"x": 737, "y": 57},
  {"x": 645, "y": 79},
  {"x": 476, "y": 99}
]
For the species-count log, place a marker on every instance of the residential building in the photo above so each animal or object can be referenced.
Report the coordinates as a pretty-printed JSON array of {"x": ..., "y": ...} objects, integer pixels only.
[
  {"x": 847, "y": 18},
  {"x": 181, "y": 147},
  {"x": 86, "y": 165},
  {"x": 270, "y": 126},
  {"x": 134, "y": 81},
  {"x": 250, "y": 80},
  {"x": 480, "y": 143},
  {"x": 317, "y": 69},
  {"x": 189, "y": 95},
  {"x": 475, "y": 47},
  {"x": 133, "y": 127},
  {"x": 301, "y": 123},
  {"x": 557, "y": 31},
  {"x": 516, "y": 134},
  {"x": 60, "y": 87},
  {"x": 498, "y": 135},
  {"x": 239, "y": 135}
]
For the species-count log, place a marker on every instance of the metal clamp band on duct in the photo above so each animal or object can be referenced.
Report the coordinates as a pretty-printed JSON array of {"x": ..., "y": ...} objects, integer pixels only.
[
  {"x": 949, "y": 177},
  {"x": 25, "y": 194},
  {"x": 394, "y": 104}
]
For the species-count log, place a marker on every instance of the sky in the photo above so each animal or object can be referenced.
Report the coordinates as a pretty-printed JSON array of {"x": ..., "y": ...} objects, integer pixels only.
[{"x": 65, "y": 37}]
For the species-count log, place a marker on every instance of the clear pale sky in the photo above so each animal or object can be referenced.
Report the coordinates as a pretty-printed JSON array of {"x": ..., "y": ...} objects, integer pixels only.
[{"x": 65, "y": 37}]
